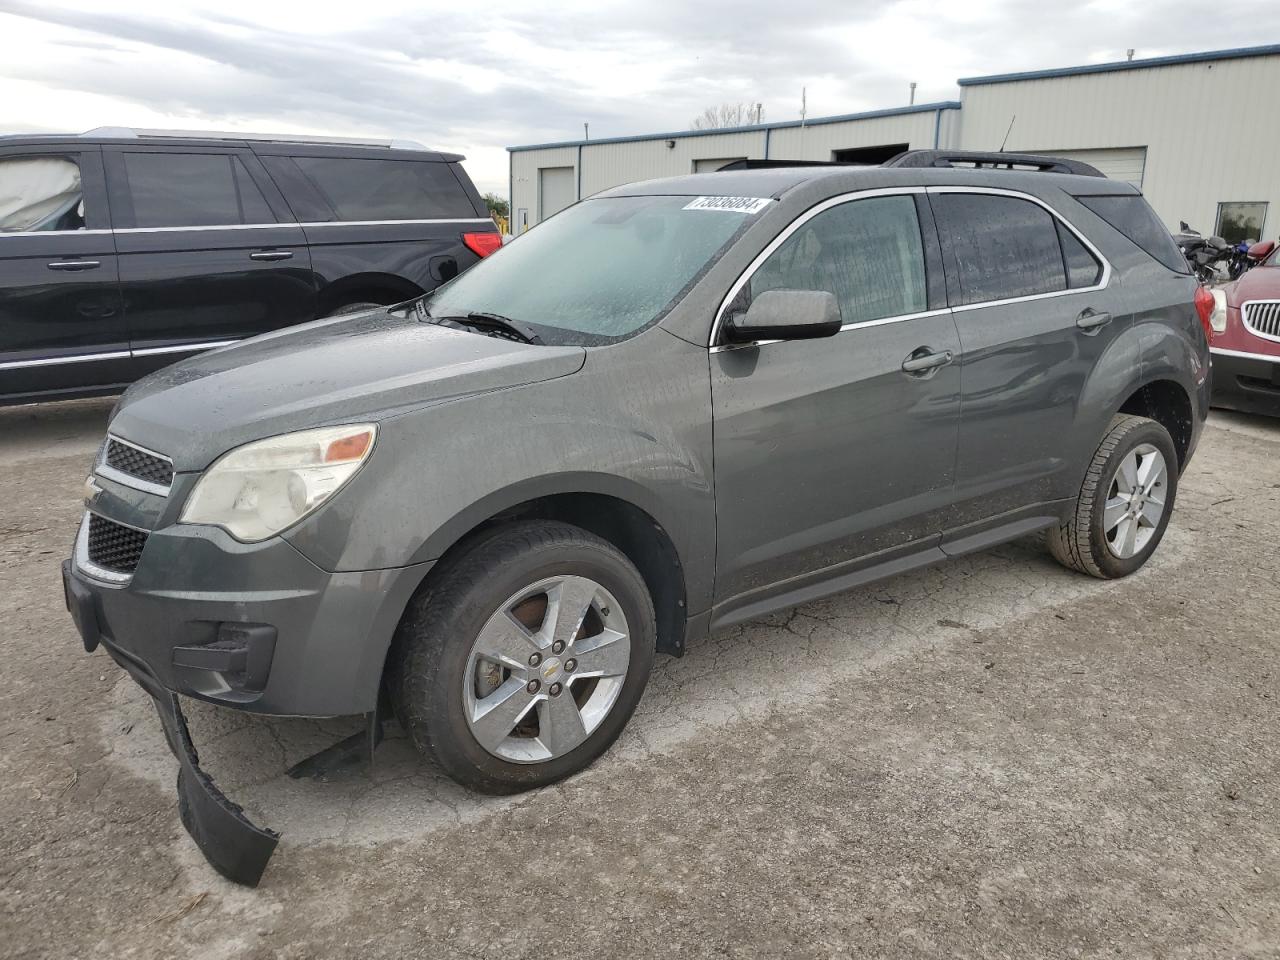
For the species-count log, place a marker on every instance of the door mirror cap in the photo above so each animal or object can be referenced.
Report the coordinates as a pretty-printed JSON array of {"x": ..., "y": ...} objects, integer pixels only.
[{"x": 787, "y": 315}]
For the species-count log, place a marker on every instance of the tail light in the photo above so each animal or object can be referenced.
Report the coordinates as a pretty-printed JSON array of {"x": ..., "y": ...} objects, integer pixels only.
[
  {"x": 1205, "y": 302},
  {"x": 482, "y": 244}
]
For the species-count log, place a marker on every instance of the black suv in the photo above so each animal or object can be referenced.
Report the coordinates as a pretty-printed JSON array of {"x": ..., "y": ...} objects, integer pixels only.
[{"x": 122, "y": 251}]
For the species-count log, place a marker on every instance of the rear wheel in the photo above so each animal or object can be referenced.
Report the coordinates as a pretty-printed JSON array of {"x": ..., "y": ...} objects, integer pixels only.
[
  {"x": 1124, "y": 504},
  {"x": 524, "y": 660}
]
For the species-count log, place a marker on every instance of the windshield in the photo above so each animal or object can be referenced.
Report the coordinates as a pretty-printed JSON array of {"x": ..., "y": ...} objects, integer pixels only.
[{"x": 598, "y": 272}]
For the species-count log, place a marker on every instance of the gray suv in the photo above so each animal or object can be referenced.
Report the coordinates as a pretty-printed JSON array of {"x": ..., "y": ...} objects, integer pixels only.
[{"x": 671, "y": 408}]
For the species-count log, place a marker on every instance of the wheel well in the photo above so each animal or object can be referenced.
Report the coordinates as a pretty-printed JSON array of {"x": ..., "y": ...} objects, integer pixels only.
[
  {"x": 1168, "y": 404},
  {"x": 630, "y": 529},
  {"x": 365, "y": 288}
]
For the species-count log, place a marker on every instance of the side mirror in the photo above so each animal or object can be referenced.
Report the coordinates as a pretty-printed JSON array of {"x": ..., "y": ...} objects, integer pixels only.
[{"x": 787, "y": 315}]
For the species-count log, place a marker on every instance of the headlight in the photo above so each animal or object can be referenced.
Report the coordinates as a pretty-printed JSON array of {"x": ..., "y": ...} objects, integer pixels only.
[
  {"x": 257, "y": 490},
  {"x": 1218, "y": 319}
]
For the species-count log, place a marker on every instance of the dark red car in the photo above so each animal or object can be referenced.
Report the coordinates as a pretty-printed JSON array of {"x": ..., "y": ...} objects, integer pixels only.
[{"x": 1245, "y": 340}]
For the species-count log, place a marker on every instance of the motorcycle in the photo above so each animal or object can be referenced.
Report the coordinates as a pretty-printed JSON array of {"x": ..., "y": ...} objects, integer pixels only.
[{"x": 1203, "y": 253}]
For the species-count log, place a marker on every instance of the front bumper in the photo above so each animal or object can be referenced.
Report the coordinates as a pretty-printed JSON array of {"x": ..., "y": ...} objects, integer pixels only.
[
  {"x": 1246, "y": 382},
  {"x": 233, "y": 845}
]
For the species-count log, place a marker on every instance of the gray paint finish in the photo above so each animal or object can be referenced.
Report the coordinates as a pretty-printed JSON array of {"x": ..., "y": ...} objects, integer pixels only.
[{"x": 778, "y": 471}]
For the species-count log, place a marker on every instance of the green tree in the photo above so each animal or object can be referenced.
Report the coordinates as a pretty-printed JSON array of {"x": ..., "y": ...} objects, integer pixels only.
[{"x": 497, "y": 206}]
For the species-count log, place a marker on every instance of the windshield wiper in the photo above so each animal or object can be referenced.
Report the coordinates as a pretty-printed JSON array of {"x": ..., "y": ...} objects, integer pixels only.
[{"x": 491, "y": 323}]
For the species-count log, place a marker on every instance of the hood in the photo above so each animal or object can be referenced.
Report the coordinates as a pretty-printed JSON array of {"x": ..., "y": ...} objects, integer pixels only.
[
  {"x": 1260, "y": 283},
  {"x": 367, "y": 366}
]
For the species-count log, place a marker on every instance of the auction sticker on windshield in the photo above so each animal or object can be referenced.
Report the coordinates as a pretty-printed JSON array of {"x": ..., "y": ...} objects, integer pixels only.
[{"x": 732, "y": 204}]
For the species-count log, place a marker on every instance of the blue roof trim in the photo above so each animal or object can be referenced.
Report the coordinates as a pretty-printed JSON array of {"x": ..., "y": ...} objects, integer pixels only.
[
  {"x": 754, "y": 128},
  {"x": 1234, "y": 54}
]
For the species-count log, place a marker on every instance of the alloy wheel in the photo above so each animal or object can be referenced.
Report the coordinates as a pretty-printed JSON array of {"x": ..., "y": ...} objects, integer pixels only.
[{"x": 1135, "y": 501}]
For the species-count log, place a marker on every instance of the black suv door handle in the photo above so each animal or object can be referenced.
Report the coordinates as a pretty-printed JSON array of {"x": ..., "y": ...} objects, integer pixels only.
[
  {"x": 1090, "y": 320},
  {"x": 271, "y": 255},
  {"x": 920, "y": 362},
  {"x": 74, "y": 265}
]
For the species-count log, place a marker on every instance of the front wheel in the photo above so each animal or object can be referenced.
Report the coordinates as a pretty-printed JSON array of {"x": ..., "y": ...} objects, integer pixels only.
[
  {"x": 524, "y": 660},
  {"x": 1124, "y": 504}
]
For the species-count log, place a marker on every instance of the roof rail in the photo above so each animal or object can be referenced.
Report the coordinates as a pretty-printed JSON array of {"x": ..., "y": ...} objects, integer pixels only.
[
  {"x": 749, "y": 164},
  {"x": 992, "y": 161},
  {"x": 131, "y": 133}
]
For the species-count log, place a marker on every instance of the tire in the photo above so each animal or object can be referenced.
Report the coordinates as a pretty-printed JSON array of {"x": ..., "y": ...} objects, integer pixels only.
[
  {"x": 1093, "y": 541},
  {"x": 440, "y": 681},
  {"x": 343, "y": 310}
]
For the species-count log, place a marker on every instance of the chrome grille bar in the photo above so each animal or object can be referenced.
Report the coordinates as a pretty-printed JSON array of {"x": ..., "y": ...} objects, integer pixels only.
[{"x": 1262, "y": 317}]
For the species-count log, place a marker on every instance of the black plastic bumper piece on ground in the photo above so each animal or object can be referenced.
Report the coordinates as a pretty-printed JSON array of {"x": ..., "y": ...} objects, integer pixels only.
[{"x": 233, "y": 845}]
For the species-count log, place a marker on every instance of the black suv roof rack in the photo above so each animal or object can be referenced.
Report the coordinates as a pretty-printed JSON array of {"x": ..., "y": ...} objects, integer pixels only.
[
  {"x": 748, "y": 164},
  {"x": 992, "y": 161},
  {"x": 130, "y": 133}
]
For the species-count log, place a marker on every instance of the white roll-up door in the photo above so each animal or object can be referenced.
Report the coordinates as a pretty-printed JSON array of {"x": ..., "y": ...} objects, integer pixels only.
[
  {"x": 555, "y": 190},
  {"x": 1116, "y": 163}
]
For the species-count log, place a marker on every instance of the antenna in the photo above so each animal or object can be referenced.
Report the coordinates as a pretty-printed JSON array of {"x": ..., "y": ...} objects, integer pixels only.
[
  {"x": 586, "y": 131},
  {"x": 1007, "y": 132},
  {"x": 912, "y": 101},
  {"x": 1129, "y": 54}
]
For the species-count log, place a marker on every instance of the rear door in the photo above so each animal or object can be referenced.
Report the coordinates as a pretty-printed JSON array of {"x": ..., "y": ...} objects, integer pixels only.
[
  {"x": 381, "y": 229},
  {"x": 208, "y": 251},
  {"x": 61, "y": 324},
  {"x": 1032, "y": 308}
]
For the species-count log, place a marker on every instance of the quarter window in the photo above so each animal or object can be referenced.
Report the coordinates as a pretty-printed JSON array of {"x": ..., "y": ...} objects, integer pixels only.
[
  {"x": 387, "y": 189},
  {"x": 867, "y": 253},
  {"x": 1003, "y": 247},
  {"x": 1083, "y": 268},
  {"x": 40, "y": 194},
  {"x": 193, "y": 190}
]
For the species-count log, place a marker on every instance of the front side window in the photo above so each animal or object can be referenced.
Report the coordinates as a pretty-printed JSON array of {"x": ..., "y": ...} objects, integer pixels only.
[
  {"x": 1238, "y": 222},
  {"x": 193, "y": 190},
  {"x": 867, "y": 253},
  {"x": 599, "y": 271},
  {"x": 40, "y": 194},
  {"x": 1002, "y": 247},
  {"x": 387, "y": 189}
]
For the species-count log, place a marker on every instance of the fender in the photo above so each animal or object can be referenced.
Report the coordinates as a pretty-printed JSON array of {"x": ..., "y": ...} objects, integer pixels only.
[{"x": 376, "y": 286}]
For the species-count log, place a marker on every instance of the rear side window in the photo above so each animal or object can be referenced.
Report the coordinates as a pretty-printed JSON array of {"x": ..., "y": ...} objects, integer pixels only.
[
  {"x": 193, "y": 190},
  {"x": 387, "y": 189},
  {"x": 1131, "y": 215},
  {"x": 1002, "y": 247},
  {"x": 40, "y": 194},
  {"x": 1083, "y": 268},
  {"x": 866, "y": 252}
]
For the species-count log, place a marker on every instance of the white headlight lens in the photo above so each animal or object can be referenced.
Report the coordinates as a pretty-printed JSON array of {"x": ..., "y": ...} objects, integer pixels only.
[
  {"x": 257, "y": 490},
  {"x": 1218, "y": 319}
]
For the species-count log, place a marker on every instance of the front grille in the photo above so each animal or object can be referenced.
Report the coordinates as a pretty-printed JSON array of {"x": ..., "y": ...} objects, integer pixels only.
[
  {"x": 1263, "y": 318},
  {"x": 113, "y": 546},
  {"x": 138, "y": 463}
]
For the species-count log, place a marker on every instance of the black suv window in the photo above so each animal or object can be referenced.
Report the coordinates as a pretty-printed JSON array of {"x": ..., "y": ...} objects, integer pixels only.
[
  {"x": 193, "y": 190},
  {"x": 387, "y": 189},
  {"x": 40, "y": 193},
  {"x": 1002, "y": 247},
  {"x": 867, "y": 253}
]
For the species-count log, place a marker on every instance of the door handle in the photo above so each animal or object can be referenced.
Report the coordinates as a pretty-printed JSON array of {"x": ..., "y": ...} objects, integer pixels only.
[
  {"x": 918, "y": 362},
  {"x": 74, "y": 265},
  {"x": 271, "y": 255},
  {"x": 1090, "y": 320}
]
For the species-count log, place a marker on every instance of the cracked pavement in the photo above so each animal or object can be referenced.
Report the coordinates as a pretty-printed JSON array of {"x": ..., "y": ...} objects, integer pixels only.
[{"x": 990, "y": 758}]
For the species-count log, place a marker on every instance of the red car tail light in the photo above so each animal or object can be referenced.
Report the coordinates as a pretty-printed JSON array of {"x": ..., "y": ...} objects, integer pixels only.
[
  {"x": 1204, "y": 306},
  {"x": 482, "y": 244}
]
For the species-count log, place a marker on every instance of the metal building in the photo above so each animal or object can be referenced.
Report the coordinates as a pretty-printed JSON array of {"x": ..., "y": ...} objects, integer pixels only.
[{"x": 1196, "y": 132}]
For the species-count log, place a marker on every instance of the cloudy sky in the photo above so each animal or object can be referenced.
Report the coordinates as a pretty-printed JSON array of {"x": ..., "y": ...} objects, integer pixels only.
[{"x": 477, "y": 77}]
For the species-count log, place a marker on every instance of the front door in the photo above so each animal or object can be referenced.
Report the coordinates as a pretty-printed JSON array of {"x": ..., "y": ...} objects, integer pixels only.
[
  {"x": 61, "y": 325},
  {"x": 829, "y": 452},
  {"x": 208, "y": 252}
]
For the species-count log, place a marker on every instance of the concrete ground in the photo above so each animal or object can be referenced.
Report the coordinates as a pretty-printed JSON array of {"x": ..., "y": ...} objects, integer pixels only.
[{"x": 991, "y": 758}]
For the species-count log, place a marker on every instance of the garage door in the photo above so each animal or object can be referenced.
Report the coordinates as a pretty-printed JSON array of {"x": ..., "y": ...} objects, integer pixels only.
[
  {"x": 555, "y": 190},
  {"x": 1117, "y": 163}
]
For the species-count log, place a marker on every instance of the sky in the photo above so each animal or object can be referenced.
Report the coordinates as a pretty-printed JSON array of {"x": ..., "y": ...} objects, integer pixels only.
[{"x": 475, "y": 78}]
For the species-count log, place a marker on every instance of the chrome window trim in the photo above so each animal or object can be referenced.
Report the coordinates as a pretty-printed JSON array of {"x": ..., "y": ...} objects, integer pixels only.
[
  {"x": 87, "y": 566},
  {"x": 116, "y": 354},
  {"x": 104, "y": 469},
  {"x": 1244, "y": 355},
  {"x": 827, "y": 204},
  {"x": 1244, "y": 319},
  {"x": 845, "y": 328},
  {"x": 303, "y": 223},
  {"x": 53, "y": 233},
  {"x": 1102, "y": 283}
]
